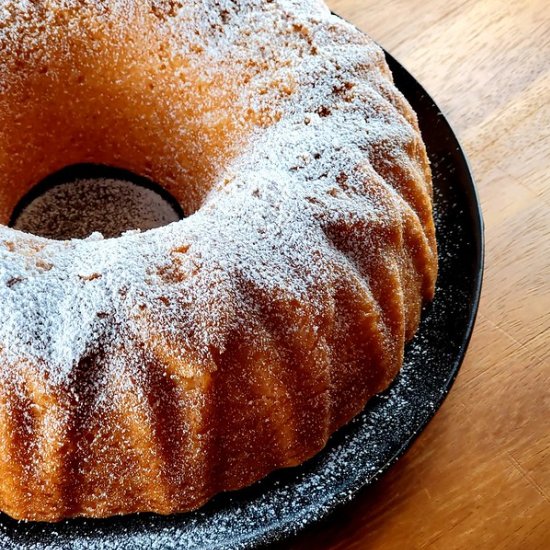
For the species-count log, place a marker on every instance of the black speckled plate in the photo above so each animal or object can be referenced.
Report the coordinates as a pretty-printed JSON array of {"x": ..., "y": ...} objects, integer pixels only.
[{"x": 357, "y": 455}]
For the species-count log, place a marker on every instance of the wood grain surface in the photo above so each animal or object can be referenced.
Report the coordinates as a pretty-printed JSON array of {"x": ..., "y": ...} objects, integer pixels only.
[{"x": 479, "y": 475}]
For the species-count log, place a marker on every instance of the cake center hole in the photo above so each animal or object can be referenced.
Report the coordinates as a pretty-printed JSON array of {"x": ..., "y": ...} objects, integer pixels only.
[{"x": 80, "y": 200}]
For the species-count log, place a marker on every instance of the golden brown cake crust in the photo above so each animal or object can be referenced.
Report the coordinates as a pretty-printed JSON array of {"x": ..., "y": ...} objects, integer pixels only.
[{"x": 153, "y": 371}]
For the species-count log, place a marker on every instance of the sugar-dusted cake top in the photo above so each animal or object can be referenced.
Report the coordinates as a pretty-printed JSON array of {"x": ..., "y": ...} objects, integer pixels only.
[{"x": 323, "y": 173}]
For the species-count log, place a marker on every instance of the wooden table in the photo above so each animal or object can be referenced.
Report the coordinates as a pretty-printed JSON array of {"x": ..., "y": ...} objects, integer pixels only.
[{"x": 479, "y": 475}]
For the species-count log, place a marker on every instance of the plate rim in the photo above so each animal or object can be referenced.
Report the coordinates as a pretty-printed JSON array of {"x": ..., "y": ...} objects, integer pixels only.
[{"x": 285, "y": 528}]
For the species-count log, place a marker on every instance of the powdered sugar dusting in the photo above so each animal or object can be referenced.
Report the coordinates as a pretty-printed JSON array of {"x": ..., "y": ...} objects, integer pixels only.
[
  {"x": 271, "y": 208},
  {"x": 330, "y": 178}
]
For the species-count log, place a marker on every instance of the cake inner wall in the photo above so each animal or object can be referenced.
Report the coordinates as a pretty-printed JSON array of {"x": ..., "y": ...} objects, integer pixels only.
[{"x": 86, "y": 199}]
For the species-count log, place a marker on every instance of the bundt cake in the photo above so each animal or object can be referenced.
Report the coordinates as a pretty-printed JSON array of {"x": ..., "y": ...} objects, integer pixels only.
[{"x": 152, "y": 371}]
